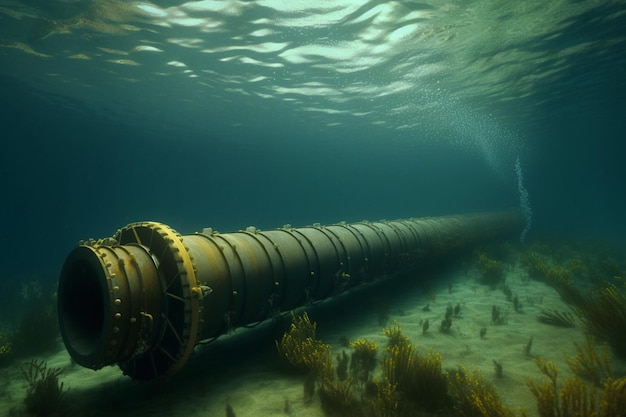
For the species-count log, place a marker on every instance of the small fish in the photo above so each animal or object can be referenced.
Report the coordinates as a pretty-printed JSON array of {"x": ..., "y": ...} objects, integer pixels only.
[{"x": 426, "y": 307}]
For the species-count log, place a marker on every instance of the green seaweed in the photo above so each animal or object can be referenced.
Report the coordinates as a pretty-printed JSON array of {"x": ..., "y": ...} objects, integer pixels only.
[{"x": 45, "y": 394}]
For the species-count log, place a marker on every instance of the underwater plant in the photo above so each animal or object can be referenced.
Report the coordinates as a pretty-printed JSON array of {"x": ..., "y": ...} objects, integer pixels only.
[
  {"x": 613, "y": 402},
  {"x": 498, "y": 368},
  {"x": 473, "y": 397},
  {"x": 602, "y": 310},
  {"x": 419, "y": 381},
  {"x": 575, "y": 398},
  {"x": 603, "y": 313},
  {"x": 491, "y": 271},
  {"x": 572, "y": 398},
  {"x": 528, "y": 347},
  {"x": 556, "y": 318},
  {"x": 534, "y": 264},
  {"x": 37, "y": 331},
  {"x": 385, "y": 404},
  {"x": 383, "y": 314},
  {"x": 560, "y": 279},
  {"x": 411, "y": 383},
  {"x": 6, "y": 352},
  {"x": 363, "y": 361},
  {"x": 496, "y": 316},
  {"x": 343, "y": 361},
  {"x": 445, "y": 325},
  {"x": 507, "y": 291},
  {"x": 45, "y": 394},
  {"x": 576, "y": 268},
  {"x": 589, "y": 364},
  {"x": 337, "y": 392},
  {"x": 395, "y": 336},
  {"x": 337, "y": 397},
  {"x": 300, "y": 347},
  {"x": 308, "y": 390}
]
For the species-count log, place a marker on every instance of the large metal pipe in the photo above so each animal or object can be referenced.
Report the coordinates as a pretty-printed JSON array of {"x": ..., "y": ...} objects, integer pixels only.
[{"x": 144, "y": 298}]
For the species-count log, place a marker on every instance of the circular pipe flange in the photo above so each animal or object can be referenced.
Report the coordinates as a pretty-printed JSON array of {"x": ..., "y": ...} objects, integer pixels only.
[
  {"x": 105, "y": 295},
  {"x": 181, "y": 311}
]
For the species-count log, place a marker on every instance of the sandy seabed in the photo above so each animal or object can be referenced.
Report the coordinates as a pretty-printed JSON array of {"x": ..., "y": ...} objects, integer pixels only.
[{"x": 243, "y": 370}]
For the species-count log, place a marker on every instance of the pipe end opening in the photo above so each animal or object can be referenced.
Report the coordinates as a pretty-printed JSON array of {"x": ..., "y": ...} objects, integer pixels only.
[{"x": 81, "y": 306}]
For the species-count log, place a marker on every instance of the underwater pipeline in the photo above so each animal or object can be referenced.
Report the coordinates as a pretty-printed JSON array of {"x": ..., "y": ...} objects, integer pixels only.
[{"x": 144, "y": 298}]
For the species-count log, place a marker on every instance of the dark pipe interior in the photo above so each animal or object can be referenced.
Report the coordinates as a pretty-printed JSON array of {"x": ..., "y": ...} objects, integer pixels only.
[{"x": 81, "y": 306}]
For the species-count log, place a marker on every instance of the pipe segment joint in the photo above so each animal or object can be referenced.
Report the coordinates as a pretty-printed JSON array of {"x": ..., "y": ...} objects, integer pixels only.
[{"x": 145, "y": 297}]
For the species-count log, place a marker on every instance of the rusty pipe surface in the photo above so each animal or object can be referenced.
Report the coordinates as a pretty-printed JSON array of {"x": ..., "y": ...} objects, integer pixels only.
[{"x": 145, "y": 297}]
